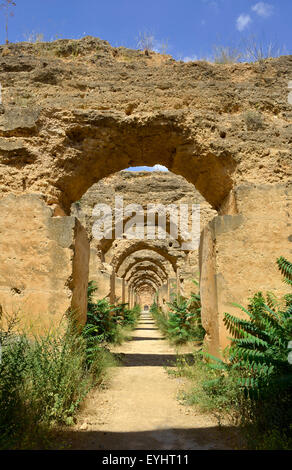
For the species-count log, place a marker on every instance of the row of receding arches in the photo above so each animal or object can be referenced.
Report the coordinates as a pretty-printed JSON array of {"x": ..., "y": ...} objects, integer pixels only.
[
  {"x": 147, "y": 270},
  {"x": 142, "y": 270}
]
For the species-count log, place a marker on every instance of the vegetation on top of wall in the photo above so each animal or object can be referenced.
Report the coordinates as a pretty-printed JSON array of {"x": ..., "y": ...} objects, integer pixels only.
[
  {"x": 254, "y": 120},
  {"x": 183, "y": 321},
  {"x": 6, "y": 6},
  {"x": 250, "y": 49},
  {"x": 254, "y": 386}
]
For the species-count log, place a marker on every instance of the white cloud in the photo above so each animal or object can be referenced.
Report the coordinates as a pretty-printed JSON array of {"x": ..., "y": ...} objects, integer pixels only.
[
  {"x": 263, "y": 9},
  {"x": 192, "y": 58},
  {"x": 159, "y": 168},
  {"x": 156, "y": 167},
  {"x": 243, "y": 21}
]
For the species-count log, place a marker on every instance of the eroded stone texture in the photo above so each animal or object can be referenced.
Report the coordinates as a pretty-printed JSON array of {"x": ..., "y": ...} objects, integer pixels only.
[
  {"x": 100, "y": 273},
  {"x": 145, "y": 297},
  {"x": 75, "y": 112},
  {"x": 86, "y": 114},
  {"x": 134, "y": 262},
  {"x": 43, "y": 262},
  {"x": 239, "y": 253}
]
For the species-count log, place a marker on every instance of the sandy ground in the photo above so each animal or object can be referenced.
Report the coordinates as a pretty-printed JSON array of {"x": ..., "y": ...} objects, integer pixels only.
[{"x": 140, "y": 409}]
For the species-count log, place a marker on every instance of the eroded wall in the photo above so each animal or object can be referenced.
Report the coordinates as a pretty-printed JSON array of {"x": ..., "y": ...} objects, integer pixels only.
[
  {"x": 65, "y": 124},
  {"x": 43, "y": 262},
  {"x": 239, "y": 253},
  {"x": 142, "y": 188}
]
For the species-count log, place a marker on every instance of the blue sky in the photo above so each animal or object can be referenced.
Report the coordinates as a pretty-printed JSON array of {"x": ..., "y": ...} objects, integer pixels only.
[{"x": 190, "y": 28}]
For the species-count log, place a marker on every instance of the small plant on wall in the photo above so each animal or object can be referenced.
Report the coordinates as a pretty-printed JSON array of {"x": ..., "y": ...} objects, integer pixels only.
[{"x": 6, "y": 6}]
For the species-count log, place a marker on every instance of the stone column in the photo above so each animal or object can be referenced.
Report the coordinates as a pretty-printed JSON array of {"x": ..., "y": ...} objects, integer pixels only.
[
  {"x": 118, "y": 289},
  {"x": 113, "y": 288},
  {"x": 177, "y": 283},
  {"x": 238, "y": 255},
  {"x": 123, "y": 291},
  {"x": 131, "y": 297},
  {"x": 44, "y": 262}
]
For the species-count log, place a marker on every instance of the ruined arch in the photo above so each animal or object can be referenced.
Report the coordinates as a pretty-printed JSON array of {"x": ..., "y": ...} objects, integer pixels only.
[
  {"x": 146, "y": 275},
  {"x": 96, "y": 145},
  {"x": 188, "y": 117},
  {"x": 146, "y": 280},
  {"x": 147, "y": 255},
  {"x": 139, "y": 270},
  {"x": 142, "y": 268},
  {"x": 157, "y": 247},
  {"x": 151, "y": 261},
  {"x": 145, "y": 292}
]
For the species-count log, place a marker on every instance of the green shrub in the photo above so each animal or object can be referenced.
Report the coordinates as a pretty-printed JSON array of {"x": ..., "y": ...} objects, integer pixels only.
[
  {"x": 43, "y": 380},
  {"x": 259, "y": 354},
  {"x": 182, "y": 325},
  {"x": 108, "y": 323},
  {"x": 131, "y": 316},
  {"x": 160, "y": 318},
  {"x": 103, "y": 320},
  {"x": 259, "y": 348},
  {"x": 254, "y": 386},
  {"x": 102, "y": 323},
  {"x": 211, "y": 390},
  {"x": 183, "y": 322},
  {"x": 12, "y": 370}
]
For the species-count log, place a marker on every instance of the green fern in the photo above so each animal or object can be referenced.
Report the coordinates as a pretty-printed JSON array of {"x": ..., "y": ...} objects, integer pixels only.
[
  {"x": 259, "y": 348},
  {"x": 286, "y": 269}
]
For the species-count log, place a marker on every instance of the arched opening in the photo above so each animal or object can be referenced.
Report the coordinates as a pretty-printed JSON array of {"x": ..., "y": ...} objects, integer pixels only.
[
  {"x": 133, "y": 260},
  {"x": 100, "y": 146},
  {"x": 92, "y": 145},
  {"x": 96, "y": 115}
]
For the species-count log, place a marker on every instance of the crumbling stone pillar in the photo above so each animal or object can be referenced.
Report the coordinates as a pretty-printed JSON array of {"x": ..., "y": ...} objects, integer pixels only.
[
  {"x": 130, "y": 297},
  {"x": 124, "y": 291},
  {"x": 238, "y": 255},
  {"x": 113, "y": 288},
  {"x": 118, "y": 290},
  {"x": 172, "y": 287},
  {"x": 164, "y": 297},
  {"x": 44, "y": 262}
]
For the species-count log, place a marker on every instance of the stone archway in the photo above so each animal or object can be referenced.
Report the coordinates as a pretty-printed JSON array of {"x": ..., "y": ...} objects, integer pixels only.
[
  {"x": 145, "y": 262},
  {"x": 126, "y": 248},
  {"x": 142, "y": 262},
  {"x": 101, "y": 145},
  {"x": 142, "y": 267},
  {"x": 130, "y": 263},
  {"x": 190, "y": 118}
]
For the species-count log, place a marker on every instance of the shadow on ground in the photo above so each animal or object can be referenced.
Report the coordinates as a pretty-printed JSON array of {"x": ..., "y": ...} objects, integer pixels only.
[
  {"x": 162, "y": 360},
  {"x": 146, "y": 329},
  {"x": 209, "y": 438},
  {"x": 145, "y": 338}
]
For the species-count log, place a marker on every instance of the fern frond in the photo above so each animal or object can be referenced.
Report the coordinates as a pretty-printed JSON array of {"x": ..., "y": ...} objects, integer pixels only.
[{"x": 285, "y": 267}]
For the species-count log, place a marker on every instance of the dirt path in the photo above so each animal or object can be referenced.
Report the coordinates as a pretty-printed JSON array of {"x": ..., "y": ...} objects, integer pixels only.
[{"x": 140, "y": 409}]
